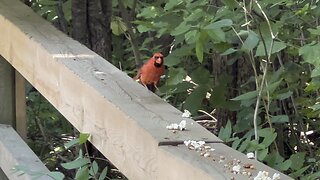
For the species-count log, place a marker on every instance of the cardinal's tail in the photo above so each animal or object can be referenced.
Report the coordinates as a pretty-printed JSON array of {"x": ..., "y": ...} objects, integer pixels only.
[{"x": 151, "y": 87}]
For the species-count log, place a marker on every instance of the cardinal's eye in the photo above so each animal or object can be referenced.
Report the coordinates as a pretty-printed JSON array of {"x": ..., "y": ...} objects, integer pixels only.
[{"x": 157, "y": 57}]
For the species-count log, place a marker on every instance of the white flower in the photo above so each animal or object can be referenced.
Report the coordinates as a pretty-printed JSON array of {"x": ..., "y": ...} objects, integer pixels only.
[
  {"x": 186, "y": 114},
  {"x": 250, "y": 155}
]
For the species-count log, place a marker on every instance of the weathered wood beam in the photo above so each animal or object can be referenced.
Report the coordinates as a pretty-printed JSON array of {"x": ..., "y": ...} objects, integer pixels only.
[
  {"x": 20, "y": 106},
  {"x": 126, "y": 121},
  {"x": 15, "y": 152},
  {"x": 7, "y": 93}
]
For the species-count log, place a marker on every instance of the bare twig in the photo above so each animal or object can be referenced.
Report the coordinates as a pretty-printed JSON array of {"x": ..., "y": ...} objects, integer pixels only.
[{"x": 210, "y": 115}]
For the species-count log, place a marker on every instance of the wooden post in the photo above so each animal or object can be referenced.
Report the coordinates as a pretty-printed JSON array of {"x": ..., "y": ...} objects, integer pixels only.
[
  {"x": 12, "y": 98},
  {"x": 2, "y": 175},
  {"x": 7, "y": 93},
  {"x": 20, "y": 95},
  {"x": 6, "y": 97}
]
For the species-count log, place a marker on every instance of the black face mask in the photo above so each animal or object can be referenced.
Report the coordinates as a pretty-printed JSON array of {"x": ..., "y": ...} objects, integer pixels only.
[
  {"x": 158, "y": 64},
  {"x": 155, "y": 62}
]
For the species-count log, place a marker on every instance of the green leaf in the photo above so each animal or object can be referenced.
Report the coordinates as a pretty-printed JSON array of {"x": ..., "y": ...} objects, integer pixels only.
[
  {"x": 299, "y": 173},
  {"x": 66, "y": 7},
  {"x": 313, "y": 176},
  {"x": 283, "y": 95},
  {"x": 172, "y": 60},
  {"x": 315, "y": 72},
  {"x": 315, "y": 107},
  {"x": 175, "y": 76},
  {"x": 284, "y": 165},
  {"x": 103, "y": 174},
  {"x": 71, "y": 143},
  {"x": 262, "y": 154},
  {"x": 195, "y": 15},
  {"x": 79, "y": 162},
  {"x": 225, "y": 132},
  {"x": 52, "y": 15},
  {"x": 280, "y": 119},
  {"x": 182, "y": 28},
  {"x": 217, "y": 35},
  {"x": 83, "y": 138},
  {"x": 82, "y": 173},
  {"x": 265, "y": 132},
  {"x": 56, "y": 175},
  {"x": 274, "y": 158},
  {"x": 219, "y": 24},
  {"x": 268, "y": 140},
  {"x": 277, "y": 47},
  {"x": 244, "y": 145},
  {"x": 246, "y": 96},
  {"x": 47, "y": 2},
  {"x": 228, "y": 51},
  {"x": 251, "y": 41},
  {"x": 191, "y": 5},
  {"x": 118, "y": 26},
  {"x": 191, "y": 36},
  {"x": 297, "y": 160},
  {"x": 171, "y": 4},
  {"x": 199, "y": 50},
  {"x": 142, "y": 29},
  {"x": 182, "y": 51},
  {"x": 194, "y": 100},
  {"x": 273, "y": 86},
  {"x": 149, "y": 12},
  {"x": 200, "y": 76},
  {"x": 315, "y": 31},
  {"x": 311, "y": 53},
  {"x": 232, "y": 4},
  {"x": 235, "y": 143},
  {"x": 94, "y": 169}
]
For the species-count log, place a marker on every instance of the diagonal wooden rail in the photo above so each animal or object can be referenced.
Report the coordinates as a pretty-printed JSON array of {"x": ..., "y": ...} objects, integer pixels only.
[
  {"x": 15, "y": 152},
  {"x": 126, "y": 122}
]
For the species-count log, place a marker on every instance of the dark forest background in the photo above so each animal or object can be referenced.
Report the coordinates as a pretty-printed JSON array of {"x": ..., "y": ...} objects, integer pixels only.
[{"x": 253, "y": 65}]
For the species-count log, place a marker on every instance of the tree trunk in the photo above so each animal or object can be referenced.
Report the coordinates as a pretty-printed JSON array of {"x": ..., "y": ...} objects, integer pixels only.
[
  {"x": 91, "y": 25},
  {"x": 79, "y": 22}
]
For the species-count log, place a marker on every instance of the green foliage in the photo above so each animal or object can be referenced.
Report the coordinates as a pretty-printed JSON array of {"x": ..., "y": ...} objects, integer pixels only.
[
  {"x": 279, "y": 42},
  {"x": 48, "y": 130},
  {"x": 268, "y": 71},
  {"x": 35, "y": 175}
]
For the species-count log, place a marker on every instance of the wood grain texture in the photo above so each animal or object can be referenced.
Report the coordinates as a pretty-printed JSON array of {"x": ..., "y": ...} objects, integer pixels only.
[
  {"x": 14, "y": 151},
  {"x": 20, "y": 106},
  {"x": 7, "y": 93},
  {"x": 125, "y": 120}
]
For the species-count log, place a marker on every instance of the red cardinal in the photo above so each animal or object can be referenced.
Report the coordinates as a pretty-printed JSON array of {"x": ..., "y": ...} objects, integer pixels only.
[{"x": 149, "y": 74}]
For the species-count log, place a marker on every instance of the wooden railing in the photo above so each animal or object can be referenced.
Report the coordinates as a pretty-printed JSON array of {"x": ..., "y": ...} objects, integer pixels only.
[{"x": 127, "y": 123}]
